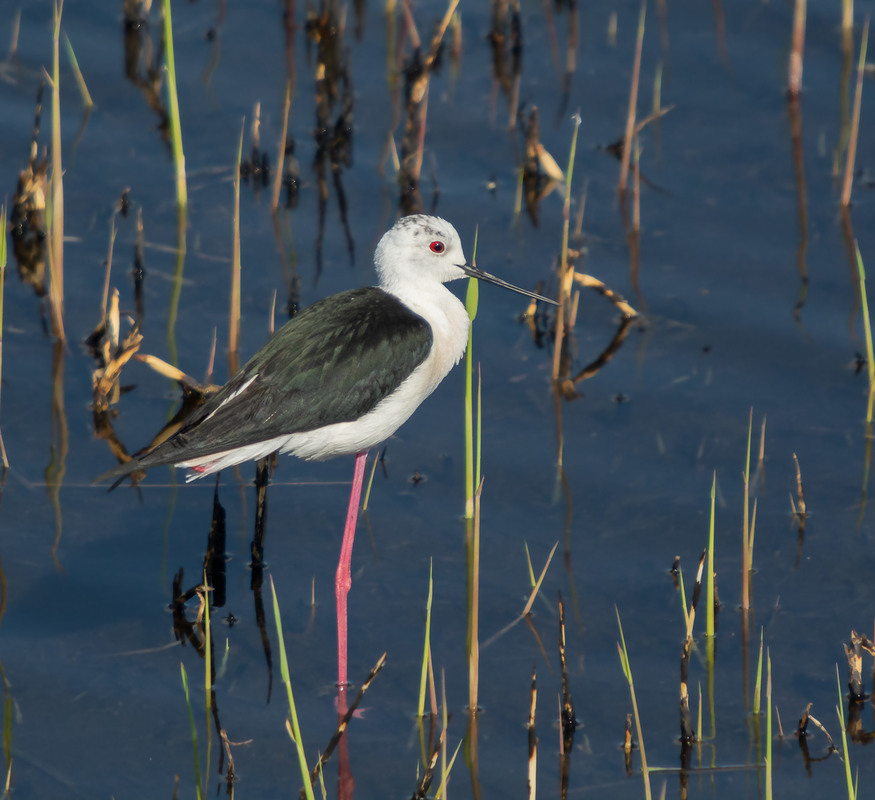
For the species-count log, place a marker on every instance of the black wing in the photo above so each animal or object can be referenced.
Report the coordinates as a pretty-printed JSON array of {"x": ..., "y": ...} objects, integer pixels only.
[{"x": 331, "y": 363}]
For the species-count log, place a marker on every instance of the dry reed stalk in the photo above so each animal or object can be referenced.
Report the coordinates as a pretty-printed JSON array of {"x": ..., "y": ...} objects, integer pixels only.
[
  {"x": 566, "y": 270},
  {"x": 56, "y": 248},
  {"x": 745, "y": 529},
  {"x": 799, "y": 508},
  {"x": 281, "y": 155},
  {"x": 3, "y": 459},
  {"x": 603, "y": 289},
  {"x": 633, "y": 101},
  {"x": 847, "y": 16},
  {"x": 533, "y": 741},
  {"x": 568, "y": 720},
  {"x": 636, "y": 191},
  {"x": 769, "y": 725},
  {"x": 536, "y": 587},
  {"x": 234, "y": 314},
  {"x": 855, "y": 120},
  {"x": 112, "y": 233},
  {"x": 344, "y": 722},
  {"x": 797, "y": 47}
]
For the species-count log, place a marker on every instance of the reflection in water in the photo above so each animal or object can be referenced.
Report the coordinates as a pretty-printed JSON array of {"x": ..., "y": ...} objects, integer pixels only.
[
  {"x": 417, "y": 71},
  {"x": 57, "y": 466},
  {"x": 570, "y": 54},
  {"x": 794, "y": 109},
  {"x": 256, "y": 564},
  {"x": 800, "y": 511},
  {"x": 507, "y": 54},
  {"x": 28, "y": 219},
  {"x": 143, "y": 62},
  {"x": 333, "y": 134},
  {"x": 567, "y": 719}
]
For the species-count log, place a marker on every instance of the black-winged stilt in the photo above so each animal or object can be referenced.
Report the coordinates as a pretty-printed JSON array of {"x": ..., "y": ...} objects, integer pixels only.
[{"x": 340, "y": 377}]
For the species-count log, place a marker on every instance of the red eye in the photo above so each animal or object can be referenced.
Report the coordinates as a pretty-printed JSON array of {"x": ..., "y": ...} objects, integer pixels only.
[{"x": 437, "y": 247}]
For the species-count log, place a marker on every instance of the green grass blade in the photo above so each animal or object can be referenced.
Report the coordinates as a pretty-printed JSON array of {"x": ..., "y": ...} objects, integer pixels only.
[
  {"x": 427, "y": 647},
  {"x": 440, "y": 790},
  {"x": 208, "y": 674},
  {"x": 197, "y": 760},
  {"x": 709, "y": 596},
  {"x": 293, "y": 714},
  {"x": 852, "y": 791},
  {"x": 758, "y": 686},
  {"x": 77, "y": 74},
  {"x": 173, "y": 107},
  {"x": 768, "y": 726},
  {"x": 867, "y": 324},
  {"x": 627, "y": 671}
]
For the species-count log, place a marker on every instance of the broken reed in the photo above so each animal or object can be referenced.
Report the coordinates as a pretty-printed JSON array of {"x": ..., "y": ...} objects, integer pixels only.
[
  {"x": 173, "y": 107},
  {"x": 797, "y": 47},
  {"x": 199, "y": 789},
  {"x": 855, "y": 122}
]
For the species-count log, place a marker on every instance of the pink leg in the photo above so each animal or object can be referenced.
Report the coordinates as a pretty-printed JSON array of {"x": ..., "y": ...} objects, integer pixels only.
[{"x": 343, "y": 580}]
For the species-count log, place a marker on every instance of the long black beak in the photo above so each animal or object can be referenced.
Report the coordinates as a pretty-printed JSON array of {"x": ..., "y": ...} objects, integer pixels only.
[{"x": 474, "y": 272}]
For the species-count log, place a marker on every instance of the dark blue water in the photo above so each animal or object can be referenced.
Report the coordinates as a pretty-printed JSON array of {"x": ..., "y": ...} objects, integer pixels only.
[{"x": 87, "y": 642}]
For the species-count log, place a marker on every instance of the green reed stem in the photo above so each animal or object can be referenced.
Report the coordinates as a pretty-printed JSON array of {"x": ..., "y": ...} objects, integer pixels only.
[
  {"x": 173, "y": 104},
  {"x": 471, "y": 302}
]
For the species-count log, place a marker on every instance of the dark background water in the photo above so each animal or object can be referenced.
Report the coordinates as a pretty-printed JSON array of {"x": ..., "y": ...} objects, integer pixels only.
[{"x": 87, "y": 644}]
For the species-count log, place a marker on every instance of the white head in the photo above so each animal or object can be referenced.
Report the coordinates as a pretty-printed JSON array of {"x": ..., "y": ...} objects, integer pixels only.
[{"x": 420, "y": 249}]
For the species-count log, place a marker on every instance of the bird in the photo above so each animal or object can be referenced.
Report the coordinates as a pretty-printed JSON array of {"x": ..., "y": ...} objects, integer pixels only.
[{"x": 340, "y": 377}]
